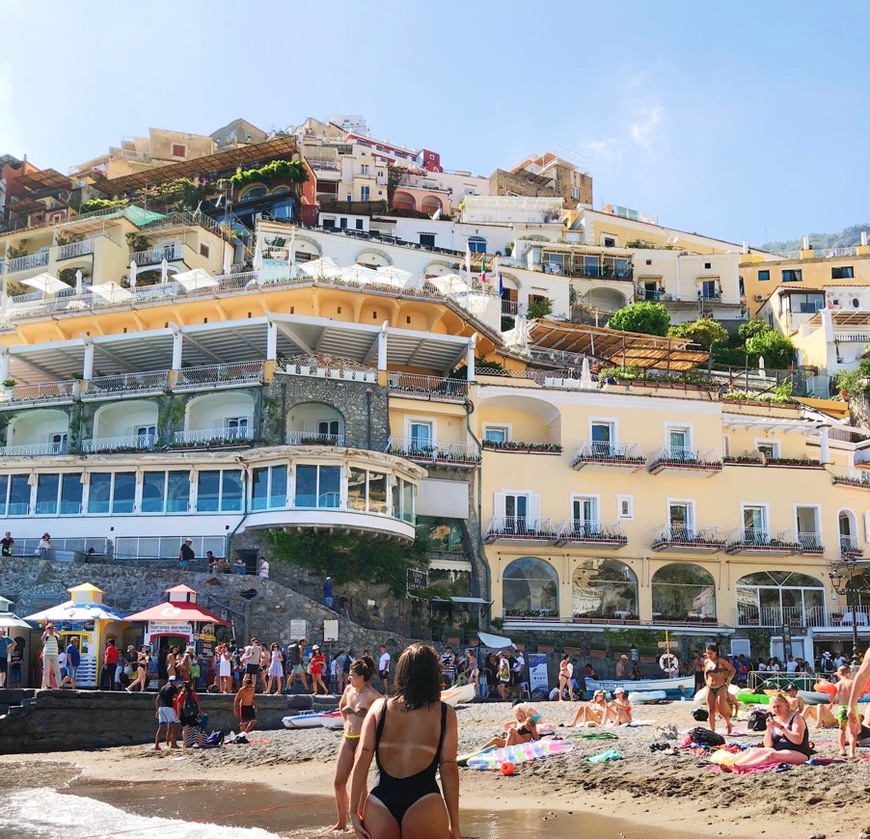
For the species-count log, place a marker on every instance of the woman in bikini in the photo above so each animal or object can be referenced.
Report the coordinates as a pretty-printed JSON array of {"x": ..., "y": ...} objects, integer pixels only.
[
  {"x": 718, "y": 673},
  {"x": 355, "y": 702},
  {"x": 172, "y": 661},
  {"x": 593, "y": 713},
  {"x": 564, "y": 676},
  {"x": 523, "y": 729},
  {"x": 618, "y": 710},
  {"x": 412, "y": 735},
  {"x": 141, "y": 671},
  {"x": 786, "y": 740}
]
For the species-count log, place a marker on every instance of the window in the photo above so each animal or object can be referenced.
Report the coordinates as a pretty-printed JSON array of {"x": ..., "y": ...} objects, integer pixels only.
[
  {"x": 364, "y": 169},
  {"x": 219, "y": 491},
  {"x": 708, "y": 266},
  {"x": 516, "y": 508},
  {"x": 530, "y": 586},
  {"x": 403, "y": 500},
  {"x": 602, "y": 438},
  {"x": 770, "y": 449},
  {"x": 330, "y": 429},
  {"x": 792, "y": 275},
  {"x": 476, "y": 244},
  {"x": 421, "y": 435},
  {"x": 58, "y": 443},
  {"x": 14, "y": 495},
  {"x": 683, "y": 591},
  {"x": 358, "y": 224},
  {"x": 147, "y": 434},
  {"x": 843, "y": 272},
  {"x": 807, "y": 527},
  {"x": 269, "y": 488},
  {"x": 625, "y": 506},
  {"x": 318, "y": 486},
  {"x": 236, "y": 427},
  {"x": 774, "y": 598},
  {"x": 575, "y": 193},
  {"x": 111, "y": 492},
  {"x": 679, "y": 442},
  {"x": 681, "y": 520},
  {"x": 609, "y": 241},
  {"x": 755, "y": 524},
  {"x": 366, "y": 491},
  {"x": 165, "y": 492},
  {"x": 763, "y": 276},
  {"x": 364, "y": 193},
  {"x": 584, "y": 515},
  {"x": 59, "y": 494},
  {"x": 496, "y": 433},
  {"x": 441, "y": 534},
  {"x": 342, "y": 223},
  {"x": 605, "y": 589},
  {"x": 709, "y": 290},
  {"x": 47, "y": 487},
  {"x": 427, "y": 240},
  {"x": 179, "y": 150},
  {"x": 204, "y": 251}
]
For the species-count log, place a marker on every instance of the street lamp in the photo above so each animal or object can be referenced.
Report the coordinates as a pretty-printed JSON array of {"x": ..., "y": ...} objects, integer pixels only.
[{"x": 844, "y": 584}]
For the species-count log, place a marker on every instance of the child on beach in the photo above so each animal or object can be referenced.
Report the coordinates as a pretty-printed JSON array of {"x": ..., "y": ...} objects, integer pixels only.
[
  {"x": 244, "y": 707},
  {"x": 846, "y": 716}
]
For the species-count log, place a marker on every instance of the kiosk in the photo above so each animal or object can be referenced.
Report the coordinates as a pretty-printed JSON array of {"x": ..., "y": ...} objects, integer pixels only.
[
  {"x": 22, "y": 634},
  {"x": 85, "y": 616}
]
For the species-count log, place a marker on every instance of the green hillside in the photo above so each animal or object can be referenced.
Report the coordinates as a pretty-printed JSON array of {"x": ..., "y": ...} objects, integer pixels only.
[{"x": 846, "y": 238}]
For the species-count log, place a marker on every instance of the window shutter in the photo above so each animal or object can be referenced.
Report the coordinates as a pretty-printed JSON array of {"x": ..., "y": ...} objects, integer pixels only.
[
  {"x": 534, "y": 507},
  {"x": 498, "y": 505}
]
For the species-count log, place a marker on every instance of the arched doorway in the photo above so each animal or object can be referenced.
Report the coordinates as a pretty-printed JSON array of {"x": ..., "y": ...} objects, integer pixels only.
[
  {"x": 848, "y": 532},
  {"x": 404, "y": 201},
  {"x": 777, "y": 598},
  {"x": 683, "y": 591},
  {"x": 530, "y": 588},
  {"x": 605, "y": 589}
]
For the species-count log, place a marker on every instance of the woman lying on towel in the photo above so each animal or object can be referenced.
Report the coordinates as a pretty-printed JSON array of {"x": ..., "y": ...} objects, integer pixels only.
[{"x": 786, "y": 740}]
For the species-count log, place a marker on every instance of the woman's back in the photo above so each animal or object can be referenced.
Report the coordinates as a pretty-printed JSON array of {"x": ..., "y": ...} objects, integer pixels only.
[{"x": 408, "y": 741}]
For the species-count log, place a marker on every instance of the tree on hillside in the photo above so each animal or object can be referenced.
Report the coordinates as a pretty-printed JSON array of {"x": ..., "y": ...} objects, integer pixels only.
[
  {"x": 704, "y": 331},
  {"x": 777, "y": 350},
  {"x": 646, "y": 318},
  {"x": 848, "y": 237}
]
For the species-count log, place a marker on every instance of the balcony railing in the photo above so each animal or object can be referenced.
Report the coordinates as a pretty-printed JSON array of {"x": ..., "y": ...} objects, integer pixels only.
[
  {"x": 34, "y": 449},
  {"x": 608, "y": 454},
  {"x": 753, "y": 539},
  {"x": 154, "y": 256},
  {"x": 434, "y": 451},
  {"x": 521, "y": 528},
  {"x": 42, "y": 393},
  {"x": 675, "y": 537},
  {"x": 313, "y": 438},
  {"x": 850, "y": 546},
  {"x": 239, "y": 373},
  {"x": 210, "y": 436},
  {"x": 152, "y": 381},
  {"x": 748, "y": 615},
  {"x": 676, "y": 457},
  {"x": 509, "y": 307},
  {"x": 26, "y": 263},
  {"x": 598, "y": 533},
  {"x": 326, "y": 367},
  {"x": 129, "y": 442},
  {"x": 429, "y": 387},
  {"x": 811, "y": 542},
  {"x": 74, "y": 249}
]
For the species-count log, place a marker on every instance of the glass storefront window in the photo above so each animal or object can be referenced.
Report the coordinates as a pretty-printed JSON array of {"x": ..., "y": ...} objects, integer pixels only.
[
  {"x": 47, "y": 486},
  {"x": 269, "y": 488},
  {"x": 208, "y": 491},
  {"x": 231, "y": 491},
  {"x": 124, "y": 492},
  {"x": 318, "y": 486},
  {"x": 177, "y": 492},
  {"x": 440, "y": 534},
  {"x": 99, "y": 492},
  {"x": 71, "y": 494},
  {"x": 377, "y": 492},
  {"x": 356, "y": 489}
]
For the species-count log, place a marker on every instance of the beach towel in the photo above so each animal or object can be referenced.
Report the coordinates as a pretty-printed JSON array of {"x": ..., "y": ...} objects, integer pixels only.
[{"x": 605, "y": 757}]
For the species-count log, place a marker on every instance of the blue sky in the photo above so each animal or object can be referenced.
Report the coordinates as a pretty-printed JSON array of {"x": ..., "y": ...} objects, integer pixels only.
[{"x": 739, "y": 120}]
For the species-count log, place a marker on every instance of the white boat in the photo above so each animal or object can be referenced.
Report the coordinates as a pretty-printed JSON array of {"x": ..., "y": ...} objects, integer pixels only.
[
  {"x": 453, "y": 696},
  {"x": 678, "y": 686},
  {"x": 307, "y": 719}
]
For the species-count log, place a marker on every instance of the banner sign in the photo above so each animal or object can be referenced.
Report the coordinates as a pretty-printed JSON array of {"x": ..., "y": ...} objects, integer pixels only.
[{"x": 538, "y": 672}]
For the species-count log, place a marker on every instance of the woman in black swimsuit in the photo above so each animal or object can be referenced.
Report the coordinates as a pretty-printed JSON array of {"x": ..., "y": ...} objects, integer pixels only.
[
  {"x": 411, "y": 735},
  {"x": 718, "y": 673},
  {"x": 786, "y": 739}
]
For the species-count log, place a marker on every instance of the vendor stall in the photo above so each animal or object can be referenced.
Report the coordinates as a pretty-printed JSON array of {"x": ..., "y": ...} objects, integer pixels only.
[
  {"x": 84, "y": 616},
  {"x": 21, "y": 633}
]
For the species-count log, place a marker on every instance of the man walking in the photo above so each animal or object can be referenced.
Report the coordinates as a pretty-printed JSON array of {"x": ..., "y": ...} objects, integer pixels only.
[
  {"x": 384, "y": 668},
  {"x": 50, "y": 649},
  {"x": 186, "y": 554},
  {"x": 296, "y": 664},
  {"x": 73, "y": 660},
  {"x": 251, "y": 660}
]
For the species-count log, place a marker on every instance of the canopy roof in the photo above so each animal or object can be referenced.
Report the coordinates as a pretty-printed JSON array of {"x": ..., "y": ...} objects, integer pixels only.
[
  {"x": 616, "y": 347},
  {"x": 177, "y": 611},
  {"x": 72, "y": 611}
]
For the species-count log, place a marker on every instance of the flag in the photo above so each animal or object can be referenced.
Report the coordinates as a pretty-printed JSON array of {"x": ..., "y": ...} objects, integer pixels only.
[{"x": 496, "y": 269}]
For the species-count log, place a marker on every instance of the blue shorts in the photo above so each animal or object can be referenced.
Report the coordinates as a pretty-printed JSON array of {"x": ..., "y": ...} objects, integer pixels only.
[{"x": 166, "y": 715}]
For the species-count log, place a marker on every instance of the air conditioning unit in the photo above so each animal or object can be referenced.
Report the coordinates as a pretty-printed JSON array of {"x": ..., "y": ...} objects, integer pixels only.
[{"x": 759, "y": 298}]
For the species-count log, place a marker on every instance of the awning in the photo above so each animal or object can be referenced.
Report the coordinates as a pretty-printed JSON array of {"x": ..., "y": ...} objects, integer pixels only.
[
  {"x": 495, "y": 642},
  {"x": 325, "y": 267},
  {"x": 111, "y": 291},
  {"x": 45, "y": 283},
  {"x": 180, "y": 611},
  {"x": 195, "y": 279},
  {"x": 478, "y": 600},
  {"x": 72, "y": 611}
]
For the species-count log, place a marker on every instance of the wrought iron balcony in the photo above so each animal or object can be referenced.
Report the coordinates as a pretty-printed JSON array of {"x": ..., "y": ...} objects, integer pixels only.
[
  {"x": 850, "y": 546},
  {"x": 695, "y": 462},
  {"x": 428, "y": 387},
  {"x": 759, "y": 540},
  {"x": 151, "y": 382},
  {"x": 521, "y": 529},
  {"x": 608, "y": 455},
  {"x": 811, "y": 542},
  {"x": 435, "y": 451},
  {"x": 678, "y": 537},
  {"x": 598, "y": 534}
]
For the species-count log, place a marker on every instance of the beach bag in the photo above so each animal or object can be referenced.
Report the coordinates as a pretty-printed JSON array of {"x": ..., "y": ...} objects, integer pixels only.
[
  {"x": 705, "y": 737},
  {"x": 194, "y": 671},
  {"x": 757, "y": 720},
  {"x": 215, "y": 739},
  {"x": 701, "y": 714}
]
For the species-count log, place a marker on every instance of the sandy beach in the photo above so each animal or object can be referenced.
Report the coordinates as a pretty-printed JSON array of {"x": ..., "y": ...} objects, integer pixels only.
[{"x": 646, "y": 789}]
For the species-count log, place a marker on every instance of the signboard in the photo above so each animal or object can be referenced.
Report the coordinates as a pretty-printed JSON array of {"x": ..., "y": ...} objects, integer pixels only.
[
  {"x": 168, "y": 628},
  {"x": 298, "y": 629},
  {"x": 786, "y": 640},
  {"x": 330, "y": 630},
  {"x": 417, "y": 579},
  {"x": 538, "y": 673}
]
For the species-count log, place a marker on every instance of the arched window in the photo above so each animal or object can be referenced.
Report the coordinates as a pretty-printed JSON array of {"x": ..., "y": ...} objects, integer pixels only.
[
  {"x": 253, "y": 192},
  {"x": 530, "y": 588},
  {"x": 848, "y": 532},
  {"x": 477, "y": 244},
  {"x": 777, "y": 598},
  {"x": 605, "y": 589},
  {"x": 681, "y": 592}
]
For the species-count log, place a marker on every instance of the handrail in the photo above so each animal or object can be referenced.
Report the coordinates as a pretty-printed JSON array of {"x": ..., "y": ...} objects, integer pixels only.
[
  {"x": 136, "y": 442},
  {"x": 596, "y": 450},
  {"x": 210, "y": 435},
  {"x": 679, "y": 534},
  {"x": 415, "y": 448},
  {"x": 522, "y": 527}
]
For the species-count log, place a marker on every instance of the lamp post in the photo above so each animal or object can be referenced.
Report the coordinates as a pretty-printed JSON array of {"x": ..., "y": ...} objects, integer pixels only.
[{"x": 842, "y": 583}]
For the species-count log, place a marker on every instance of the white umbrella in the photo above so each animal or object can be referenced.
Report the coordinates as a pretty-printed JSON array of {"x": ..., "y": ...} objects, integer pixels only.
[
  {"x": 195, "y": 279},
  {"x": 450, "y": 284},
  {"x": 358, "y": 274},
  {"x": 586, "y": 382},
  {"x": 323, "y": 267},
  {"x": 393, "y": 276},
  {"x": 228, "y": 260},
  {"x": 79, "y": 282},
  {"x": 110, "y": 292},
  {"x": 131, "y": 280},
  {"x": 45, "y": 283},
  {"x": 164, "y": 271},
  {"x": 258, "y": 257}
]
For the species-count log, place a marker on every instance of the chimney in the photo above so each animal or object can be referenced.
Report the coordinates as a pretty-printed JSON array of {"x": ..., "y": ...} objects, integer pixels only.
[
  {"x": 805, "y": 243},
  {"x": 745, "y": 248}
]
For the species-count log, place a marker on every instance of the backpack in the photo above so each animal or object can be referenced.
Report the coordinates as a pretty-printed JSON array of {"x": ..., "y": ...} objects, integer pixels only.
[
  {"x": 701, "y": 714},
  {"x": 190, "y": 709},
  {"x": 757, "y": 720},
  {"x": 705, "y": 737}
]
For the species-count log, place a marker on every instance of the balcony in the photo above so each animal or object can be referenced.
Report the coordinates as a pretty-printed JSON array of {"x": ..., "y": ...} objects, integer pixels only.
[
  {"x": 325, "y": 367},
  {"x": 596, "y": 534},
  {"x": 521, "y": 530},
  {"x": 850, "y": 547},
  {"x": 75, "y": 249},
  {"x": 598, "y": 456},
  {"x": 48, "y": 393},
  {"x": 509, "y": 307},
  {"x": 154, "y": 256},
  {"x": 430, "y": 388},
  {"x": 151, "y": 383},
  {"x": 811, "y": 542},
  {"x": 697, "y": 463},
  {"x": 221, "y": 376},
  {"x": 429, "y": 452},
  {"x": 127, "y": 443},
  {"x": 34, "y": 449},
  {"x": 776, "y": 616},
  {"x": 27, "y": 263},
  {"x": 674, "y": 537},
  {"x": 751, "y": 540},
  {"x": 312, "y": 438},
  {"x": 210, "y": 437}
]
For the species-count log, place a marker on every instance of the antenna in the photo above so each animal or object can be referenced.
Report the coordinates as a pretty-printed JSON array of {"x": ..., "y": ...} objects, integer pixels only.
[{"x": 571, "y": 154}]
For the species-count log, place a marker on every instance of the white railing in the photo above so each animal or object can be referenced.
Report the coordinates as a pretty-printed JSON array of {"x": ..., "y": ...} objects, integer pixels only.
[
  {"x": 584, "y": 530},
  {"x": 313, "y": 438},
  {"x": 433, "y": 386},
  {"x": 24, "y": 299},
  {"x": 134, "y": 442},
  {"x": 324, "y": 367},
  {"x": 34, "y": 449},
  {"x": 522, "y": 527},
  {"x": 832, "y": 253},
  {"x": 184, "y": 219},
  {"x": 233, "y": 373},
  {"x": 25, "y": 263},
  {"x": 40, "y": 393},
  {"x": 858, "y": 615},
  {"x": 154, "y": 256},
  {"x": 204, "y": 436},
  {"x": 679, "y": 456},
  {"x": 434, "y": 450},
  {"x": 679, "y": 535},
  {"x": 86, "y": 246},
  {"x": 852, "y": 337},
  {"x": 748, "y": 615},
  {"x": 596, "y": 450},
  {"x": 151, "y": 380}
]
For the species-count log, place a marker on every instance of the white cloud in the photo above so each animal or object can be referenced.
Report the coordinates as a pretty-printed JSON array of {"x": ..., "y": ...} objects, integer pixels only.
[
  {"x": 609, "y": 149},
  {"x": 643, "y": 132}
]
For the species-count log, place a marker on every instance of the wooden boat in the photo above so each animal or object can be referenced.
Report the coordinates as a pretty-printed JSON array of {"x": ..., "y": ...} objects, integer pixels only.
[{"x": 673, "y": 687}]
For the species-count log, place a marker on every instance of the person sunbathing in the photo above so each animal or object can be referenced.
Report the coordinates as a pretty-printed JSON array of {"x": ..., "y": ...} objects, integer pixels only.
[
  {"x": 523, "y": 729},
  {"x": 593, "y": 713},
  {"x": 618, "y": 710},
  {"x": 786, "y": 740},
  {"x": 820, "y": 714}
]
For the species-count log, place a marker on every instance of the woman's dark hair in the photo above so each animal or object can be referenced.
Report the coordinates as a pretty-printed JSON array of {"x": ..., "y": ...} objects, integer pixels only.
[
  {"x": 713, "y": 648},
  {"x": 566, "y": 657},
  {"x": 418, "y": 677},
  {"x": 364, "y": 667}
]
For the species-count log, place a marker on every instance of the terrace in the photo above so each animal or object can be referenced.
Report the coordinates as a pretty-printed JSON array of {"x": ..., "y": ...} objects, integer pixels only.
[
  {"x": 700, "y": 463},
  {"x": 753, "y": 540},
  {"x": 701, "y": 539},
  {"x": 602, "y": 456},
  {"x": 435, "y": 452}
]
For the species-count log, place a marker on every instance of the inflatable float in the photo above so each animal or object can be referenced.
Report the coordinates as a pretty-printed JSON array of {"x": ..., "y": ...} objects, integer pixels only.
[
  {"x": 753, "y": 698},
  {"x": 309, "y": 719},
  {"x": 644, "y": 697},
  {"x": 814, "y": 697},
  {"x": 521, "y": 753},
  {"x": 701, "y": 695}
]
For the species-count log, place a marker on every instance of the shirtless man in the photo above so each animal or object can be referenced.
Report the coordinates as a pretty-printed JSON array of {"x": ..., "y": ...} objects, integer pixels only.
[
  {"x": 244, "y": 707},
  {"x": 860, "y": 683},
  {"x": 718, "y": 673},
  {"x": 846, "y": 716}
]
